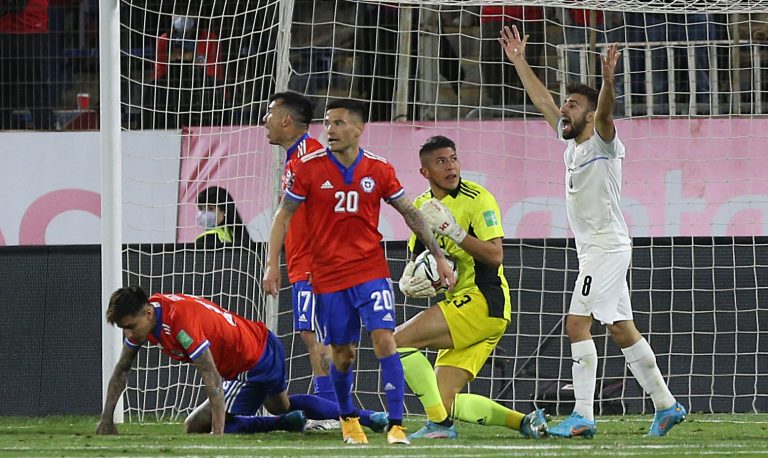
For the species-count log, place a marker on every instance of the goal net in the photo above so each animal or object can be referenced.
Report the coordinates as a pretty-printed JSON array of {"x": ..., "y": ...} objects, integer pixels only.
[{"x": 689, "y": 109}]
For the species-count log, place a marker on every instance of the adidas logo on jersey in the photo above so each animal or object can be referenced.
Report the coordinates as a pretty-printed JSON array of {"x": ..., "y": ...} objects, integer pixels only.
[
  {"x": 326, "y": 185},
  {"x": 302, "y": 318},
  {"x": 389, "y": 387},
  {"x": 387, "y": 317}
]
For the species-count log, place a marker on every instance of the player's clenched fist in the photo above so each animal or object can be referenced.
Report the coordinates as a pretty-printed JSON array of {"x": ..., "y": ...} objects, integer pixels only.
[{"x": 442, "y": 221}]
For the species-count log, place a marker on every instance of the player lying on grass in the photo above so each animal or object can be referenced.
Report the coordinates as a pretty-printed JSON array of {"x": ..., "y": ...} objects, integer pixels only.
[
  {"x": 467, "y": 325},
  {"x": 241, "y": 362},
  {"x": 593, "y": 157}
]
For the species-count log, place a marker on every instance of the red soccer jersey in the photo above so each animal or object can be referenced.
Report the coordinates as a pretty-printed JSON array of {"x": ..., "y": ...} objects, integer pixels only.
[
  {"x": 187, "y": 325},
  {"x": 206, "y": 52},
  {"x": 299, "y": 237},
  {"x": 343, "y": 207}
]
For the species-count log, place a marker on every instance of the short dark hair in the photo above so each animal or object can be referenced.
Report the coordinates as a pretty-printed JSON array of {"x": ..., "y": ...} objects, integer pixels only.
[
  {"x": 587, "y": 91},
  {"x": 300, "y": 107},
  {"x": 353, "y": 106},
  {"x": 436, "y": 142},
  {"x": 126, "y": 301}
]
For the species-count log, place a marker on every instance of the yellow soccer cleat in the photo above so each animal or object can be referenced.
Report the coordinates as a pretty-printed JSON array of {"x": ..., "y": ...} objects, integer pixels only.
[
  {"x": 397, "y": 435},
  {"x": 352, "y": 432}
]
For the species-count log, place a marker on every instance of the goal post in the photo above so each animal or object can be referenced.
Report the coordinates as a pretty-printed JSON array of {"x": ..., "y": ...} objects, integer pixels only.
[{"x": 690, "y": 110}]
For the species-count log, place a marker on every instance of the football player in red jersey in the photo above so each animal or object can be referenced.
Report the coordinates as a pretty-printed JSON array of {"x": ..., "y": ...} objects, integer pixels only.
[
  {"x": 222, "y": 345},
  {"x": 287, "y": 124},
  {"x": 343, "y": 188}
]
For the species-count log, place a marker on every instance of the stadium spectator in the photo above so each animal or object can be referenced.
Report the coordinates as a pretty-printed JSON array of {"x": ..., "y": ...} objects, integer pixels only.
[
  {"x": 342, "y": 189},
  {"x": 287, "y": 124},
  {"x": 467, "y": 325},
  {"x": 662, "y": 28},
  {"x": 503, "y": 85},
  {"x": 222, "y": 345},
  {"x": 187, "y": 42},
  {"x": 593, "y": 157},
  {"x": 23, "y": 72},
  {"x": 217, "y": 214}
]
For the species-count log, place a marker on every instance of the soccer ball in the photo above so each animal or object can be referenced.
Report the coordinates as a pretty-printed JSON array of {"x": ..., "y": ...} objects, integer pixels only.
[{"x": 426, "y": 267}]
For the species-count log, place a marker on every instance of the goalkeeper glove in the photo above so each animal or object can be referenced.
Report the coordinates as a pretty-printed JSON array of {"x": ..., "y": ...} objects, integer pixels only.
[
  {"x": 442, "y": 221},
  {"x": 415, "y": 286}
]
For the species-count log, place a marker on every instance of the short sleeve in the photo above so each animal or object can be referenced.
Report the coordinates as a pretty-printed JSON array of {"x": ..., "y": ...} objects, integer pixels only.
[
  {"x": 186, "y": 330},
  {"x": 296, "y": 180},
  {"x": 391, "y": 187},
  {"x": 486, "y": 218},
  {"x": 613, "y": 148}
]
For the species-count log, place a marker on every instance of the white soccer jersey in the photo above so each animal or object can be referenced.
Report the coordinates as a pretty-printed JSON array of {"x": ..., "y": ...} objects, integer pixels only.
[{"x": 592, "y": 193}]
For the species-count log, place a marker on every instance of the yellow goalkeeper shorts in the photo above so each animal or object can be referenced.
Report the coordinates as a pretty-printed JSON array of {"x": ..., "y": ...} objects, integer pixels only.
[{"x": 474, "y": 333}]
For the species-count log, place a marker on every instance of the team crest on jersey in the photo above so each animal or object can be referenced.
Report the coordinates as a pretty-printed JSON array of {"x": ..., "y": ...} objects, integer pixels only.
[{"x": 367, "y": 184}]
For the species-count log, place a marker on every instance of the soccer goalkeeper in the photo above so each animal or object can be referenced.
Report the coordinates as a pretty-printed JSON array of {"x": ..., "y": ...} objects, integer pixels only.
[
  {"x": 222, "y": 345},
  {"x": 467, "y": 325}
]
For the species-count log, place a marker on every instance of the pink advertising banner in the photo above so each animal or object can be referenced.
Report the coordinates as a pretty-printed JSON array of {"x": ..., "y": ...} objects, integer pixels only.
[{"x": 682, "y": 177}]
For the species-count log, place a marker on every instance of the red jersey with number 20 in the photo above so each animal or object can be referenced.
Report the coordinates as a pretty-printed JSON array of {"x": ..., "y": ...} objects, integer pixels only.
[
  {"x": 187, "y": 325},
  {"x": 343, "y": 205},
  {"x": 299, "y": 237}
]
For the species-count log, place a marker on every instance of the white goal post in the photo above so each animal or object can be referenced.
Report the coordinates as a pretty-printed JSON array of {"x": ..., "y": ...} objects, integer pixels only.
[{"x": 690, "y": 108}]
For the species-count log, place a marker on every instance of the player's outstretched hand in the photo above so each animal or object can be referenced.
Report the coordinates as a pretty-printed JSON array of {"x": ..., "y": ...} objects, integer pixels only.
[
  {"x": 442, "y": 221},
  {"x": 271, "y": 280},
  {"x": 413, "y": 286},
  {"x": 513, "y": 46},
  {"x": 446, "y": 273},
  {"x": 106, "y": 428},
  {"x": 610, "y": 59}
]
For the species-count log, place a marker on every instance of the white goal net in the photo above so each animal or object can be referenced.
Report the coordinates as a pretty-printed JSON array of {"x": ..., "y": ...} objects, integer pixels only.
[{"x": 690, "y": 109}]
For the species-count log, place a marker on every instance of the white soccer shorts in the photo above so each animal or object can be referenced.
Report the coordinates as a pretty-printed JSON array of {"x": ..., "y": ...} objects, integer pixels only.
[{"x": 601, "y": 288}]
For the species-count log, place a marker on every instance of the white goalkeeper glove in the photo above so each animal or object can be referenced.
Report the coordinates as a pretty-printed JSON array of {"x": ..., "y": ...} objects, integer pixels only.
[
  {"x": 442, "y": 220},
  {"x": 415, "y": 286}
]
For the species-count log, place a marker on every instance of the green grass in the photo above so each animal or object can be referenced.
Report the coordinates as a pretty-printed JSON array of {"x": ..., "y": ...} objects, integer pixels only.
[{"x": 702, "y": 434}]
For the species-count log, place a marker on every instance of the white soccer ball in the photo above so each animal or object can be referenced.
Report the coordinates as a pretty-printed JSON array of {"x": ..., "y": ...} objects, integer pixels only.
[{"x": 426, "y": 267}]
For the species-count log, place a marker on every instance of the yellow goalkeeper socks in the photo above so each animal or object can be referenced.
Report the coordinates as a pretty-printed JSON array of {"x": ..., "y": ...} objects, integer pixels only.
[
  {"x": 473, "y": 408},
  {"x": 420, "y": 376}
]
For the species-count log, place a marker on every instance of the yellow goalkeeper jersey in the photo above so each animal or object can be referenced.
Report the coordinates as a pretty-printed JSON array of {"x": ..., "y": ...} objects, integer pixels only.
[{"x": 477, "y": 211}]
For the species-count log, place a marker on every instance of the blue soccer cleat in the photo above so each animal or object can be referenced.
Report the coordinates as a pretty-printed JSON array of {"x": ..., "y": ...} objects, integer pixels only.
[
  {"x": 573, "y": 426},
  {"x": 434, "y": 431},
  {"x": 534, "y": 425},
  {"x": 665, "y": 419},
  {"x": 379, "y": 421},
  {"x": 293, "y": 421}
]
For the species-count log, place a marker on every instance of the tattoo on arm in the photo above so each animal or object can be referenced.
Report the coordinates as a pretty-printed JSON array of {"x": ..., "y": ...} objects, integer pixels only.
[
  {"x": 417, "y": 223},
  {"x": 117, "y": 382},
  {"x": 206, "y": 367}
]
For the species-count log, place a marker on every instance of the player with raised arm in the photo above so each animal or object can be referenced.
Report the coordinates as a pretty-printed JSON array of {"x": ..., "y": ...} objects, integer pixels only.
[
  {"x": 593, "y": 159},
  {"x": 342, "y": 189},
  {"x": 287, "y": 124},
  {"x": 222, "y": 345},
  {"x": 467, "y": 325}
]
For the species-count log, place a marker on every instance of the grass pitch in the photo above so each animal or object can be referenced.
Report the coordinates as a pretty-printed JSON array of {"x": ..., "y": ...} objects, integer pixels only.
[{"x": 744, "y": 435}]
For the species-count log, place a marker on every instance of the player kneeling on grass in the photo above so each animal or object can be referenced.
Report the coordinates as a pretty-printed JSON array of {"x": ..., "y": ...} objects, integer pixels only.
[
  {"x": 241, "y": 362},
  {"x": 468, "y": 324}
]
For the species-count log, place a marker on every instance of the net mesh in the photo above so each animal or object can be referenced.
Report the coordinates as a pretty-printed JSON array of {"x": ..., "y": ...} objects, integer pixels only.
[{"x": 689, "y": 94}]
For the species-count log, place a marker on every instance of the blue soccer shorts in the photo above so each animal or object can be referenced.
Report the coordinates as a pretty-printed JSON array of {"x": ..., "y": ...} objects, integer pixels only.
[
  {"x": 245, "y": 394},
  {"x": 340, "y": 313},
  {"x": 303, "y": 301}
]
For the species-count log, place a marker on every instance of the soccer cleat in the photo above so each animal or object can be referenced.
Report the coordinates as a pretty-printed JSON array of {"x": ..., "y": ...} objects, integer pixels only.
[
  {"x": 293, "y": 421},
  {"x": 433, "y": 430},
  {"x": 396, "y": 435},
  {"x": 322, "y": 425},
  {"x": 379, "y": 421},
  {"x": 534, "y": 425},
  {"x": 664, "y": 420},
  {"x": 352, "y": 432},
  {"x": 573, "y": 426}
]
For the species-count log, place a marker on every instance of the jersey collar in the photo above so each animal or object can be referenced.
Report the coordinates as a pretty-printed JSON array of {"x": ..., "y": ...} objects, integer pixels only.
[
  {"x": 454, "y": 193},
  {"x": 158, "y": 320},
  {"x": 346, "y": 172},
  {"x": 290, "y": 151}
]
